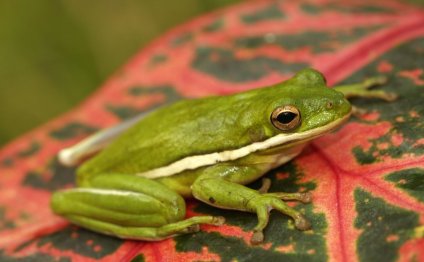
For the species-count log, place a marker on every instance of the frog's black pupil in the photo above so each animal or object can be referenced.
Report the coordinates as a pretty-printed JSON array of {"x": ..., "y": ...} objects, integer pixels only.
[{"x": 286, "y": 117}]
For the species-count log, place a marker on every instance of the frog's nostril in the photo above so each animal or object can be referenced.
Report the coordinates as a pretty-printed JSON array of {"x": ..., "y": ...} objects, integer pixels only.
[{"x": 329, "y": 105}]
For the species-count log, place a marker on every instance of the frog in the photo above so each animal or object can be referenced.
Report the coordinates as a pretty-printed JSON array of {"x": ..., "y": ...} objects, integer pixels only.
[{"x": 209, "y": 149}]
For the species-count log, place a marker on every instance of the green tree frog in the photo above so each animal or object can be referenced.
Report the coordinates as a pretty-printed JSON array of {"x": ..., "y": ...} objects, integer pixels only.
[{"x": 207, "y": 148}]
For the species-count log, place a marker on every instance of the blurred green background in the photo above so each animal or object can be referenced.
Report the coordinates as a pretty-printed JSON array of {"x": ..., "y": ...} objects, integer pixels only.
[{"x": 53, "y": 54}]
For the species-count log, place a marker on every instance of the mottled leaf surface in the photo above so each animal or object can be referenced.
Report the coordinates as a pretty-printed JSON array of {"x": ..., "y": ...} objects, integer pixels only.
[{"x": 366, "y": 179}]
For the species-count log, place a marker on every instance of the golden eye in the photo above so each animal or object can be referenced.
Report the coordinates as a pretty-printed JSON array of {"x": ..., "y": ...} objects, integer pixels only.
[
  {"x": 286, "y": 118},
  {"x": 329, "y": 105}
]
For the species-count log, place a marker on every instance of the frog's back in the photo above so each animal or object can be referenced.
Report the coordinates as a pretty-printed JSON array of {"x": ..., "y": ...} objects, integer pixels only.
[
  {"x": 186, "y": 128},
  {"x": 215, "y": 124}
]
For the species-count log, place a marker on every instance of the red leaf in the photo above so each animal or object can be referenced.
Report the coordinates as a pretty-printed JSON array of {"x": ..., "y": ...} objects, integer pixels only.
[{"x": 367, "y": 178}]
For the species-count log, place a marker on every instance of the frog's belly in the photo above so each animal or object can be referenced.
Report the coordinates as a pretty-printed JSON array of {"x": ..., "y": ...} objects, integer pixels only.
[{"x": 257, "y": 163}]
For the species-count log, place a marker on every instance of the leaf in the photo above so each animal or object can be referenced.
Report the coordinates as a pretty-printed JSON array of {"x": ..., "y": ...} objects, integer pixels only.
[{"x": 366, "y": 179}]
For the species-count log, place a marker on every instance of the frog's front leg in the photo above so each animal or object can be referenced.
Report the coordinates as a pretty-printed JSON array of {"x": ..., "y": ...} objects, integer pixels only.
[
  {"x": 215, "y": 187},
  {"x": 128, "y": 207},
  {"x": 363, "y": 89}
]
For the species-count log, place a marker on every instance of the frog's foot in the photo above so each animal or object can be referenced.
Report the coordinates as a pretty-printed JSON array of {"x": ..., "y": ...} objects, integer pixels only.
[
  {"x": 270, "y": 201},
  {"x": 362, "y": 89},
  {"x": 190, "y": 225},
  {"x": 302, "y": 197},
  {"x": 263, "y": 204},
  {"x": 226, "y": 194},
  {"x": 301, "y": 223},
  {"x": 358, "y": 112},
  {"x": 266, "y": 184}
]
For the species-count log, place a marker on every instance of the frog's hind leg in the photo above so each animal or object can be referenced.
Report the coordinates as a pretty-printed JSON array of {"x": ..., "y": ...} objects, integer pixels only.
[{"x": 128, "y": 207}]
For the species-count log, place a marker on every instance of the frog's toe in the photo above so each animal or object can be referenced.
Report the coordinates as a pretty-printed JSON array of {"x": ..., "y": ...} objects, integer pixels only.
[
  {"x": 374, "y": 81},
  {"x": 218, "y": 221},
  {"x": 301, "y": 222},
  {"x": 358, "y": 112},
  {"x": 266, "y": 184},
  {"x": 263, "y": 205},
  {"x": 257, "y": 237},
  {"x": 390, "y": 96},
  {"x": 193, "y": 228},
  {"x": 305, "y": 197}
]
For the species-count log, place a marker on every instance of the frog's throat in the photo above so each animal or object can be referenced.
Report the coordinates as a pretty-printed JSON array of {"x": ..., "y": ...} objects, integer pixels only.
[{"x": 193, "y": 162}]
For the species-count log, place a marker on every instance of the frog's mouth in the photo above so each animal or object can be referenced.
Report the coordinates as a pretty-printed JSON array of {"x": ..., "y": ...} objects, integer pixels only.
[{"x": 197, "y": 161}]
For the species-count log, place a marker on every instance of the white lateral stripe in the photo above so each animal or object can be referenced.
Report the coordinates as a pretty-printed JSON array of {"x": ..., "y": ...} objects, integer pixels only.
[
  {"x": 193, "y": 162},
  {"x": 108, "y": 192}
]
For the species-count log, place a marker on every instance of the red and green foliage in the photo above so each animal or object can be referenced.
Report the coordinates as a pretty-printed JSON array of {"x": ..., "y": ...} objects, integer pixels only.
[{"x": 367, "y": 179}]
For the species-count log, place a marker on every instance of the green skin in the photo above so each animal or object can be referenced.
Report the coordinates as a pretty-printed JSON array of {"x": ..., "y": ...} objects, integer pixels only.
[{"x": 113, "y": 198}]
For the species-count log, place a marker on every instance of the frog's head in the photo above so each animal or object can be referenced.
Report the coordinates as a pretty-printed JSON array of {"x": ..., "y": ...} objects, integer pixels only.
[{"x": 303, "y": 107}]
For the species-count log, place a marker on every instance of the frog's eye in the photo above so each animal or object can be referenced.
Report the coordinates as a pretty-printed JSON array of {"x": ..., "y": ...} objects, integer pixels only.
[{"x": 286, "y": 117}]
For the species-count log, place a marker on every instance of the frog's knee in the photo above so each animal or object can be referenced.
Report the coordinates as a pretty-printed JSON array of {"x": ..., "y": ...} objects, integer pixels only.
[
  {"x": 58, "y": 203},
  {"x": 54, "y": 202}
]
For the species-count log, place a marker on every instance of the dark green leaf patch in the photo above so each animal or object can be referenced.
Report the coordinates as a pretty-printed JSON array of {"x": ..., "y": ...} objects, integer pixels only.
[
  {"x": 4, "y": 222},
  {"x": 122, "y": 111},
  {"x": 343, "y": 8},
  {"x": 168, "y": 91},
  {"x": 138, "y": 258},
  {"x": 409, "y": 180},
  {"x": 33, "y": 148},
  {"x": 125, "y": 111},
  {"x": 7, "y": 162},
  {"x": 215, "y": 26},
  {"x": 60, "y": 176},
  {"x": 158, "y": 59},
  {"x": 82, "y": 242},
  {"x": 291, "y": 182},
  {"x": 319, "y": 42},
  {"x": 384, "y": 228},
  {"x": 271, "y": 12},
  {"x": 223, "y": 64},
  {"x": 182, "y": 39},
  {"x": 71, "y": 130}
]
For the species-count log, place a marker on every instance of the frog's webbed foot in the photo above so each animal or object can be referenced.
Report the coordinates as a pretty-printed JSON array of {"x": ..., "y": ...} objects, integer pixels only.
[
  {"x": 268, "y": 201},
  {"x": 263, "y": 205},
  {"x": 358, "y": 112},
  {"x": 266, "y": 184},
  {"x": 226, "y": 194},
  {"x": 305, "y": 197},
  {"x": 363, "y": 89}
]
